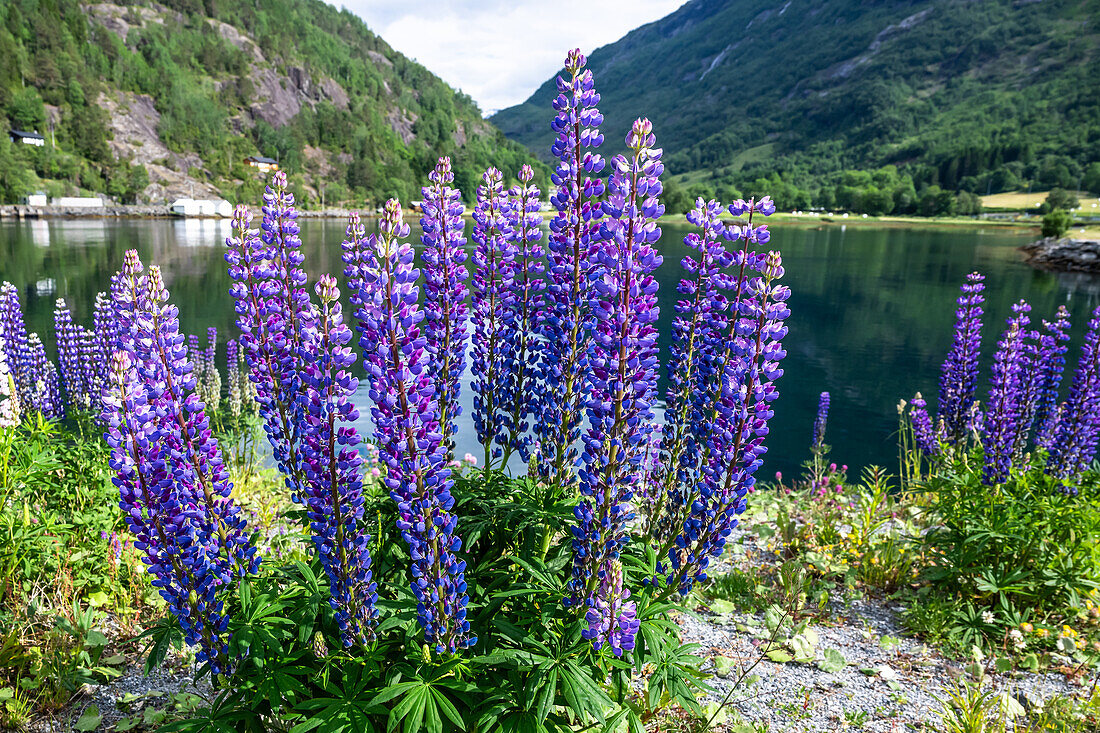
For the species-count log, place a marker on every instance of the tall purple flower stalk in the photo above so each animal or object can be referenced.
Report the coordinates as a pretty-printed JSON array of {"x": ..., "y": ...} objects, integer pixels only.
[
  {"x": 494, "y": 335},
  {"x": 1052, "y": 363},
  {"x": 69, "y": 343},
  {"x": 406, "y": 423},
  {"x": 445, "y": 312},
  {"x": 735, "y": 423},
  {"x": 156, "y": 420},
  {"x": 270, "y": 343},
  {"x": 1078, "y": 429},
  {"x": 574, "y": 234},
  {"x": 623, "y": 361},
  {"x": 42, "y": 380},
  {"x": 160, "y": 513},
  {"x": 333, "y": 469},
  {"x": 698, "y": 333},
  {"x": 820, "y": 422},
  {"x": 17, "y": 351},
  {"x": 1004, "y": 418},
  {"x": 522, "y": 305},
  {"x": 959, "y": 378},
  {"x": 923, "y": 433}
]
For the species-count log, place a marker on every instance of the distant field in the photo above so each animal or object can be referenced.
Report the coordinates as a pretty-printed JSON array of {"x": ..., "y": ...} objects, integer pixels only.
[{"x": 1021, "y": 200}]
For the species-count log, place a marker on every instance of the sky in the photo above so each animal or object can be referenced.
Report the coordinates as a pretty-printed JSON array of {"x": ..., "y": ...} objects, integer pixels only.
[{"x": 500, "y": 51}]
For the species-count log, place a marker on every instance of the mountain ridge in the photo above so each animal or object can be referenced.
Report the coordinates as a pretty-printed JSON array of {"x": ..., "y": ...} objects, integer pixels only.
[
  {"x": 151, "y": 100},
  {"x": 976, "y": 96}
]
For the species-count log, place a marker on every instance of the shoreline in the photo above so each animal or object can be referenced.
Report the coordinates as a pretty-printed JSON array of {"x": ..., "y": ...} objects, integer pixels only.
[{"x": 22, "y": 212}]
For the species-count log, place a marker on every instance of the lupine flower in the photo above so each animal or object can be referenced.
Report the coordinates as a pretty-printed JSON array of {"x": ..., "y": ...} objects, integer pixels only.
[
  {"x": 820, "y": 422},
  {"x": 613, "y": 618},
  {"x": 698, "y": 335},
  {"x": 14, "y": 331},
  {"x": 159, "y": 514},
  {"x": 494, "y": 332},
  {"x": 623, "y": 361},
  {"x": 334, "y": 484},
  {"x": 736, "y": 422},
  {"x": 1078, "y": 430},
  {"x": 574, "y": 233},
  {"x": 211, "y": 376},
  {"x": 41, "y": 376},
  {"x": 233, "y": 375},
  {"x": 68, "y": 356},
  {"x": 959, "y": 378},
  {"x": 445, "y": 313},
  {"x": 406, "y": 424},
  {"x": 195, "y": 460},
  {"x": 923, "y": 433},
  {"x": 270, "y": 344},
  {"x": 1003, "y": 419},
  {"x": 9, "y": 400},
  {"x": 523, "y": 304},
  {"x": 1052, "y": 363}
]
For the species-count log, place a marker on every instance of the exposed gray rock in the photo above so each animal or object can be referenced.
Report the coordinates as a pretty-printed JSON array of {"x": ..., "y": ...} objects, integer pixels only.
[{"x": 1064, "y": 255}]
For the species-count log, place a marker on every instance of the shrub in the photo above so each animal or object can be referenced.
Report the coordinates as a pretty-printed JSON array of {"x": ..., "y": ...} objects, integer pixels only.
[{"x": 1056, "y": 223}]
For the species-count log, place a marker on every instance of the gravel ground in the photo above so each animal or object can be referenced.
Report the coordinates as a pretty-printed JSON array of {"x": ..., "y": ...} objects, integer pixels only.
[{"x": 887, "y": 688}]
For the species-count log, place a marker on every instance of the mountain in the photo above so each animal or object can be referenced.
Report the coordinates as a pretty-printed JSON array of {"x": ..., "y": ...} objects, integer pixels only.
[
  {"x": 809, "y": 97},
  {"x": 150, "y": 101}
]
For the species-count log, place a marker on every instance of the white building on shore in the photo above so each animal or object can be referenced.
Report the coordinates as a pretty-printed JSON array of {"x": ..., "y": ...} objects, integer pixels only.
[{"x": 202, "y": 207}]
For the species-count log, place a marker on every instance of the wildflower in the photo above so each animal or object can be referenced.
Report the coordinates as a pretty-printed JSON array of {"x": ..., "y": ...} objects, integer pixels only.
[
  {"x": 987, "y": 616},
  {"x": 574, "y": 234},
  {"x": 445, "y": 274},
  {"x": 923, "y": 434},
  {"x": 1026, "y": 627},
  {"x": 960, "y": 369},
  {"x": 623, "y": 362},
  {"x": 470, "y": 458},
  {"x": 1050, "y": 363},
  {"x": 1078, "y": 427},
  {"x": 494, "y": 332},
  {"x": 523, "y": 305},
  {"x": 1003, "y": 420},
  {"x": 735, "y": 423},
  {"x": 818, "y": 441},
  {"x": 406, "y": 425},
  {"x": 698, "y": 331},
  {"x": 333, "y": 483}
]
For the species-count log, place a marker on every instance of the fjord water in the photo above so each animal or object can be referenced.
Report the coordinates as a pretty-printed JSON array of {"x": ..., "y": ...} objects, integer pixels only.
[{"x": 871, "y": 308}]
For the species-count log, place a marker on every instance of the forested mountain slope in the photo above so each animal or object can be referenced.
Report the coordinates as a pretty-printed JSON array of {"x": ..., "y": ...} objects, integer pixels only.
[
  {"x": 819, "y": 95},
  {"x": 156, "y": 100}
]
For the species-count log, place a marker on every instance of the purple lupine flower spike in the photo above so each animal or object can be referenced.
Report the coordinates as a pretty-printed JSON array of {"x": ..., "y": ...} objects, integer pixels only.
[
  {"x": 523, "y": 304},
  {"x": 1003, "y": 421},
  {"x": 406, "y": 424},
  {"x": 1078, "y": 429},
  {"x": 574, "y": 233},
  {"x": 334, "y": 483},
  {"x": 157, "y": 513},
  {"x": 698, "y": 333},
  {"x": 959, "y": 378},
  {"x": 734, "y": 424},
  {"x": 624, "y": 377},
  {"x": 266, "y": 341},
  {"x": 493, "y": 337},
  {"x": 445, "y": 312},
  {"x": 923, "y": 433},
  {"x": 820, "y": 422},
  {"x": 42, "y": 381},
  {"x": 69, "y": 360},
  {"x": 18, "y": 352},
  {"x": 162, "y": 362},
  {"x": 1052, "y": 361},
  {"x": 613, "y": 619}
]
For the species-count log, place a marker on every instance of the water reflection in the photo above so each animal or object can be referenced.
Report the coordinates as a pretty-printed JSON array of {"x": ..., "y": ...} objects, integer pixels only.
[{"x": 872, "y": 309}]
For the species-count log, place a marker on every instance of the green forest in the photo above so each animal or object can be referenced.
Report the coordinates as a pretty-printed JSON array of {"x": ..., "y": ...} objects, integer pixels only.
[
  {"x": 60, "y": 57},
  {"x": 874, "y": 107}
]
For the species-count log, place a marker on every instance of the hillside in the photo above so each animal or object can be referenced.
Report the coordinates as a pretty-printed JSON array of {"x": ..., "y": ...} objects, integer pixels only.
[
  {"x": 812, "y": 98},
  {"x": 151, "y": 101}
]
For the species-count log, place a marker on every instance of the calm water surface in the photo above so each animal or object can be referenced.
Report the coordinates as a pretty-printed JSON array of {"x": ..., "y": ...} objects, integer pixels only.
[{"x": 872, "y": 308}]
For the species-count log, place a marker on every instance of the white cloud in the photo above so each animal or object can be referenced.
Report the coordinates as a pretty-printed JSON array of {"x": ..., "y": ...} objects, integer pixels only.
[{"x": 496, "y": 51}]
